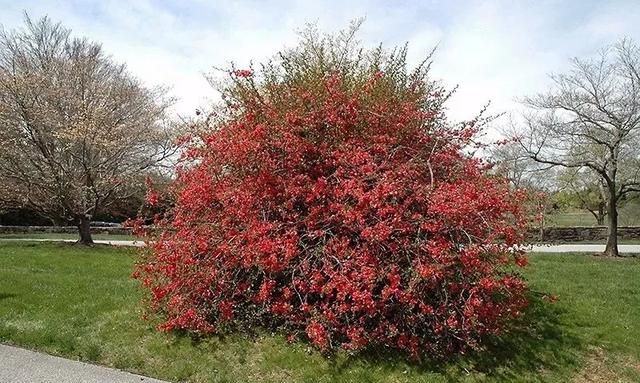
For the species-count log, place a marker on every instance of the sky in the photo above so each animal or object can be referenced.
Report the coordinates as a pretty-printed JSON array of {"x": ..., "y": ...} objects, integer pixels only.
[{"x": 498, "y": 51}]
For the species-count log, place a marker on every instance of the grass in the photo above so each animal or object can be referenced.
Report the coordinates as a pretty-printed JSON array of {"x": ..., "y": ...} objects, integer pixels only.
[
  {"x": 570, "y": 218},
  {"x": 124, "y": 237},
  {"x": 80, "y": 303},
  {"x": 629, "y": 215}
]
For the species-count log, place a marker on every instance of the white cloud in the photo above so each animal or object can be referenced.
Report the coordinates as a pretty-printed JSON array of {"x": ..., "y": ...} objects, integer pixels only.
[{"x": 495, "y": 51}]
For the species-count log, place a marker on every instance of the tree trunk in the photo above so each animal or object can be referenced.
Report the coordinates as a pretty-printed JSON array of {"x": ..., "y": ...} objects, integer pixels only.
[
  {"x": 600, "y": 216},
  {"x": 543, "y": 209},
  {"x": 84, "y": 229},
  {"x": 611, "y": 249}
]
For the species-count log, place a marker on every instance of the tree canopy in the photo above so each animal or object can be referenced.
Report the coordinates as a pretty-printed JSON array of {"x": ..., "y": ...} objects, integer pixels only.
[{"x": 77, "y": 130}]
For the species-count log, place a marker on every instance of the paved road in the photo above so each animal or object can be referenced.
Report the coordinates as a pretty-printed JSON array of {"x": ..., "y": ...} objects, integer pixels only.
[
  {"x": 18, "y": 365},
  {"x": 581, "y": 248},
  {"x": 112, "y": 242}
]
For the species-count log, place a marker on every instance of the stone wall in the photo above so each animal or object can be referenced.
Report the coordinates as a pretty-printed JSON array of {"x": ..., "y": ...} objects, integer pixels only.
[
  {"x": 60, "y": 229},
  {"x": 581, "y": 233},
  {"x": 551, "y": 234}
]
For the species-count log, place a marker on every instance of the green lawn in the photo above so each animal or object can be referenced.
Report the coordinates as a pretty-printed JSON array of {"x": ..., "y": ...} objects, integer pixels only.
[
  {"x": 570, "y": 218},
  {"x": 629, "y": 215},
  {"x": 81, "y": 303}
]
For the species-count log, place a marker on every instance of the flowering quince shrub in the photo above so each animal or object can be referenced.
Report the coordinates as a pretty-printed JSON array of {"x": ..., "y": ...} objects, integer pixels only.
[{"x": 333, "y": 201}]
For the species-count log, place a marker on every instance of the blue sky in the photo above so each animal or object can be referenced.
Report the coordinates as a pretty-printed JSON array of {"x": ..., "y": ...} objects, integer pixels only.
[{"x": 494, "y": 50}]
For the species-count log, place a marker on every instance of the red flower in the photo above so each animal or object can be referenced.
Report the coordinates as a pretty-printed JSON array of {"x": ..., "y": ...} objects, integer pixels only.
[
  {"x": 522, "y": 261},
  {"x": 153, "y": 198},
  {"x": 318, "y": 335},
  {"x": 244, "y": 73}
]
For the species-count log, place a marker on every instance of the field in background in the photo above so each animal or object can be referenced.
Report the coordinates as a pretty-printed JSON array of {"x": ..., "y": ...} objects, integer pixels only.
[
  {"x": 628, "y": 216},
  {"x": 82, "y": 304},
  {"x": 570, "y": 218}
]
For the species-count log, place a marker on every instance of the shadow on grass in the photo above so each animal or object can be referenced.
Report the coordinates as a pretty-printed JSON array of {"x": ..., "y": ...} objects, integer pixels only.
[
  {"x": 536, "y": 344},
  {"x": 7, "y": 296}
]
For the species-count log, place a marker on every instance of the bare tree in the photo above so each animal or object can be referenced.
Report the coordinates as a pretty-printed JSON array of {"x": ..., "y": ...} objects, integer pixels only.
[
  {"x": 591, "y": 119},
  {"x": 522, "y": 172},
  {"x": 77, "y": 131},
  {"x": 539, "y": 180}
]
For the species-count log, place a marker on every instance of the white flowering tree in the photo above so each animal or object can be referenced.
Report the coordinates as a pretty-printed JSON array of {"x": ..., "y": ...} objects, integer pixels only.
[{"x": 77, "y": 132}]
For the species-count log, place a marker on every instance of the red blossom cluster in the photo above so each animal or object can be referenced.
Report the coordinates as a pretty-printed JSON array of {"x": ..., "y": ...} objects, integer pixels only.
[
  {"x": 243, "y": 73},
  {"x": 344, "y": 211}
]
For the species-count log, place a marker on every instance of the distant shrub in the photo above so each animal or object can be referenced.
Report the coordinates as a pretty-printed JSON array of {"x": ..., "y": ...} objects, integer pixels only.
[{"x": 332, "y": 200}]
